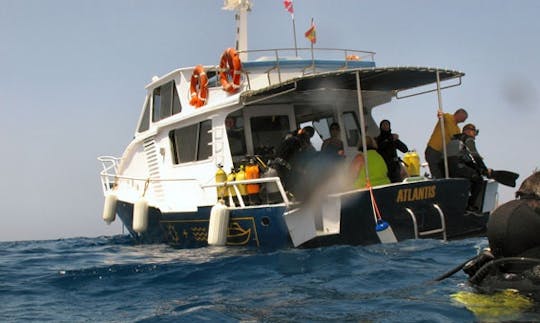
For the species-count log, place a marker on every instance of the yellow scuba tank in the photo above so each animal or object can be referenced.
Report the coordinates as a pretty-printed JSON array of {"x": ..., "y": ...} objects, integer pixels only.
[
  {"x": 412, "y": 160},
  {"x": 240, "y": 176},
  {"x": 231, "y": 177},
  {"x": 221, "y": 177}
]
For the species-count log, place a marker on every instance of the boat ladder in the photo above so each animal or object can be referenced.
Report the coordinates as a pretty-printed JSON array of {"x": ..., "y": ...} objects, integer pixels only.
[{"x": 442, "y": 229}]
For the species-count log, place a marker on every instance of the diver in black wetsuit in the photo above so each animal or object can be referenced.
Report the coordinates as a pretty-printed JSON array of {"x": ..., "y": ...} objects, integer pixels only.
[
  {"x": 387, "y": 144},
  {"x": 513, "y": 229}
]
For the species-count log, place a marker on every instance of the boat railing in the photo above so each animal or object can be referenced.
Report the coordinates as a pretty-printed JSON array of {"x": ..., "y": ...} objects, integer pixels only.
[
  {"x": 235, "y": 193},
  {"x": 281, "y": 57},
  {"x": 111, "y": 180},
  {"x": 109, "y": 172},
  {"x": 282, "y": 54}
]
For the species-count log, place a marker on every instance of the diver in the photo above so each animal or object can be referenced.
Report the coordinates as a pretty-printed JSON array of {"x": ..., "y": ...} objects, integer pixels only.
[
  {"x": 387, "y": 144},
  {"x": 291, "y": 158},
  {"x": 464, "y": 161},
  {"x": 513, "y": 227},
  {"x": 513, "y": 257}
]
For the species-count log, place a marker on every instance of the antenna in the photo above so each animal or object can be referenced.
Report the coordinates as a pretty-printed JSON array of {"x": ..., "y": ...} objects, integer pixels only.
[{"x": 241, "y": 7}]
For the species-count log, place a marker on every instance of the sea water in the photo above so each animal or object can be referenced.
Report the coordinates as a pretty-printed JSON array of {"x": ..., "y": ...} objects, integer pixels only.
[{"x": 112, "y": 279}]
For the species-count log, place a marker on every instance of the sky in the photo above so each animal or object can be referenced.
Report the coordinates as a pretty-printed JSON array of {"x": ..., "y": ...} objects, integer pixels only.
[{"x": 72, "y": 78}]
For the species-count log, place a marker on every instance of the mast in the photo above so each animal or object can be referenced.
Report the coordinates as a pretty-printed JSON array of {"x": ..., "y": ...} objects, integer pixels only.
[{"x": 241, "y": 7}]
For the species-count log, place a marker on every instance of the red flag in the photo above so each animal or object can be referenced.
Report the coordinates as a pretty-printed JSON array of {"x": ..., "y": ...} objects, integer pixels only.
[
  {"x": 288, "y": 6},
  {"x": 311, "y": 33}
]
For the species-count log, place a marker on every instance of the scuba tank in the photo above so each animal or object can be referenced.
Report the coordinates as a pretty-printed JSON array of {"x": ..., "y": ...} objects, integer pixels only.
[
  {"x": 252, "y": 172},
  {"x": 271, "y": 187},
  {"x": 221, "y": 177},
  {"x": 230, "y": 178},
  {"x": 240, "y": 176},
  {"x": 412, "y": 160}
]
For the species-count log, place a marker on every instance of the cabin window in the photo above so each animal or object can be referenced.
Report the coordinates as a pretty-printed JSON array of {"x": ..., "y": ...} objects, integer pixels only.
[
  {"x": 234, "y": 123},
  {"x": 352, "y": 130},
  {"x": 191, "y": 143},
  {"x": 268, "y": 133},
  {"x": 166, "y": 101},
  {"x": 145, "y": 120}
]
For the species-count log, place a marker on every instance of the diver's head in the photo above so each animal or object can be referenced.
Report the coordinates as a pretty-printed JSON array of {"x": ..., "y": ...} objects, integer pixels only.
[{"x": 530, "y": 188}]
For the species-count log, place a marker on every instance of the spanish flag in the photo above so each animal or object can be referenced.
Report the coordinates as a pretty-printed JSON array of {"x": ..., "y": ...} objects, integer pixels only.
[{"x": 311, "y": 33}]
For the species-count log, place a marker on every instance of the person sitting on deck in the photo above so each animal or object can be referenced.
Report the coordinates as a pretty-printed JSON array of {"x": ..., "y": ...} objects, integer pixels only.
[
  {"x": 464, "y": 161},
  {"x": 377, "y": 169}
]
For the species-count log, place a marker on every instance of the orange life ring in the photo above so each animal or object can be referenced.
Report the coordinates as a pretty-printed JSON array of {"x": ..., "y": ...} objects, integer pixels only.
[
  {"x": 230, "y": 70},
  {"x": 198, "y": 87}
]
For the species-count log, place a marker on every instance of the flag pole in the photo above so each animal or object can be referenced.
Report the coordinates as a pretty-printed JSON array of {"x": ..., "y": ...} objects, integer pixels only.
[
  {"x": 289, "y": 6},
  {"x": 312, "y": 56},
  {"x": 294, "y": 33}
]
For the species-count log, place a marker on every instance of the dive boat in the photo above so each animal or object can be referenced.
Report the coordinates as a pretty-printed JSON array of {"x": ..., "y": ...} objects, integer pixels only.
[{"x": 172, "y": 183}]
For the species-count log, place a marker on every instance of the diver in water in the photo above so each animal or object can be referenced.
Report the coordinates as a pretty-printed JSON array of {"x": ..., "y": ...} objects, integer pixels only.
[
  {"x": 513, "y": 257},
  {"x": 513, "y": 228}
]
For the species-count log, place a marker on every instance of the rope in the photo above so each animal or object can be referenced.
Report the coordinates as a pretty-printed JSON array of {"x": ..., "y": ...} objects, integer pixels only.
[
  {"x": 376, "y": 212},
  {"x": 146, "y": 186}
]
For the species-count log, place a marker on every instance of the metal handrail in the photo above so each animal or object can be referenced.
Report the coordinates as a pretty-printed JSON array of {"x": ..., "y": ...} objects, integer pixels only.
[
  {"x": 110, "y": 180},
  {"x": 278, "y": 57},
  {"x": 364, "y": 54},
  {"x": 109, "y": 163},
  {"x": 235, "y": 184}
]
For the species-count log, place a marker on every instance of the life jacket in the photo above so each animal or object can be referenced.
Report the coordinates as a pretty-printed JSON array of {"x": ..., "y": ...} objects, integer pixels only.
[{"x": 377, "y": 171}]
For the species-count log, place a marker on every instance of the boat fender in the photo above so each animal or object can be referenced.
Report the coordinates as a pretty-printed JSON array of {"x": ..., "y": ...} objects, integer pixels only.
[
  {"x": 385, "y": 232},
  {"x": 218, "y": 225},
  {"x": 109, "y": 207},
  {"x": 140, "y": 215}
]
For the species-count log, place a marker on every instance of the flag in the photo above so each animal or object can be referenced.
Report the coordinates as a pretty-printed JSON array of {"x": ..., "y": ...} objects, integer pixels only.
[
  {"x": 288, "y": 6},
  {"x": 311, "y": 33}
]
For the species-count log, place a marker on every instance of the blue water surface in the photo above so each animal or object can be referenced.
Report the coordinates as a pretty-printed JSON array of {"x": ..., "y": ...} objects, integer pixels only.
[{"x": 114, "y": 280}]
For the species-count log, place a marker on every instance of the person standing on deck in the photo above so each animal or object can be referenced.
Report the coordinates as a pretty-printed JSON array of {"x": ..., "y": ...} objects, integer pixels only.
[
  {"x": 333, "y": 146},
  {"x": 434, "y": 149},
  {"x": 388, "y": 143}
]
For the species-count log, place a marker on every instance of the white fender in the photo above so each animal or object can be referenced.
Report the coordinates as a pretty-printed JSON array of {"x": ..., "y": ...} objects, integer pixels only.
[
  {"x": 109, "y": 207},
  {"x": 140, "y": 215},
  {"x": 218, "y": 225}
]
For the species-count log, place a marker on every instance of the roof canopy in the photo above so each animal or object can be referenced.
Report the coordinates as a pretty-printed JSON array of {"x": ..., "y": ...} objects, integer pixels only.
[{"x": 385, "y": 79}]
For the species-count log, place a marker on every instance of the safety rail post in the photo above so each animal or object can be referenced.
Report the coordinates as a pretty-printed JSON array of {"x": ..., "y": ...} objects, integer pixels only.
[
  {"x": 234, "y": 184},
  {"x": 110, "y": 170}
]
